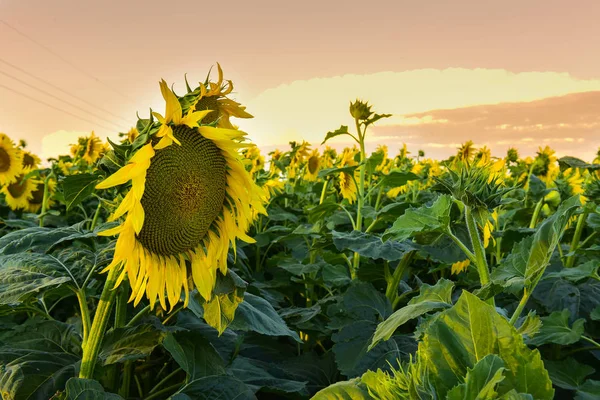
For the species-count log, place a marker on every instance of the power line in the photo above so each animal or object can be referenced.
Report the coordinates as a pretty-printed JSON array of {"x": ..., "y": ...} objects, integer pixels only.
[
  {"x": 55, "y": 87},
  {"x": 49, "y": 50},
  {"x": 59, "y": 99},
  {"x": 56, "y": 108}
]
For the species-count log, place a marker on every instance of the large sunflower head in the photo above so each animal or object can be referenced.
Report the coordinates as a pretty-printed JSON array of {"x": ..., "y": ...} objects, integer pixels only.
[
  {"x": 190, "y": 199},
  {"x": 212, "y": 97},
  {"x": 313, "y": 166},
  {"x": 19, "y": 193},
  {"x": 11, "y": 160},
  {"x": 88, "y": 148}
]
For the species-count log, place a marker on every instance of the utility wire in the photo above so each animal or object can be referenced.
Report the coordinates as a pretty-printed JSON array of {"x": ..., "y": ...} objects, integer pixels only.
[
  {"x": 59, "y": 99},
  {"x": 49, "y": 50},
  {"x": 56, "y": 108},
  {"x": 55, "y": 87}
]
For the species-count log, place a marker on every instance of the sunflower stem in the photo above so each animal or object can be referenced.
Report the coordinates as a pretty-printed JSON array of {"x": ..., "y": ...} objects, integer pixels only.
[
  {"x": 361, "y": 191},
  {"x": 45, "y": 200},
  {"x": 324, "y": 191},
  {"x": 479, "y": 250},
  {"x": 576, "y": 237},
  {"x": 536, "y": 213},
  {"x": 85, "y": 312},
  {"x": 91, "y": 348},
  {"x": 96, "y": 214}
]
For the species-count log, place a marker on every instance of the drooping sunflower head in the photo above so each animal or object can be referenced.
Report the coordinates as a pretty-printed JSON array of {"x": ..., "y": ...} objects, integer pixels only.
[
  {"x": 190, "y": 200},
  {"x": 30, "y": 161},
  {"x": 19, "y": 193},
  {"x": 313, "y": 166},
  {"x": 11, "y": 160},
  {"x": 213, "y": 97},
  {"x": 348, "y": 188}
]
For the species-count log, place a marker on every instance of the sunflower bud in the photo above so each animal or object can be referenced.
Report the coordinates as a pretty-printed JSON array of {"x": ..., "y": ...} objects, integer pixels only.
[{"x": 360, "y": 111}]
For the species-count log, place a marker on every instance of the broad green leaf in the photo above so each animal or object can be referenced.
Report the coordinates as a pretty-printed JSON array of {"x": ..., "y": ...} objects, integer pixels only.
[
  {"x": 590, "y": 390},
  {"x": 529, "y": 258},
  {"x": 259, "y": 375},
  {"x": 531, "y": 325},
  {"x": 77, "y": 188},
  {"x": 397, "y": 178},
  {"x": 578, "y": 273},
  {"x": 431, "y": 298},
  {"x": 568, "y": 374},
  {"x": 369, "y": 245},
  {"x": 214, "y": 387},
  {"x": 324, "y": 173},
  {"x": 434, "y": 218},
  {"x": 258, "y": 315},
  {"x": 481, "y": 380},
  {"x": 537, "y": 188},
  {"x": 468, "y": 332},
  {"x": 298, "y": 269},
  {"x": 124, "y": 344},
  {"x": 342, "y": 130},
  {"x": 556, "y": 329},
  {"x": 336, "y": 275},
  {"x": 228, "y": 293},
  {"x": 573, "y": 162},
  {"x": 346, "y": 390},
  {"x": 595, "y": 314},
  {"x": 87, "y": 389},
  {"x": 194, "y": 354}
]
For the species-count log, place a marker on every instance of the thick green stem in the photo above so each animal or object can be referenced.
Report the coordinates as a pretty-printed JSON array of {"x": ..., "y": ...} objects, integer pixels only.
[
  {"x": 392, "y": 285},
  {"x": 378, "y": 201},
  {"x": 126, "y": 381},
  {"x": 361, "y": 190},
  {"x": 576, "y": 237},
  {"x": 481, "y": 262},
  {"x": 536, "y": 213},
  {"x": 96, "y": 214},
  {"x": 85, "y": 312},
  {"x": 520, "y": 307},
  {"x": 92, "y": 345},
  {"x": 45, "y": 200},
  {"x": 324, "y": 191}
]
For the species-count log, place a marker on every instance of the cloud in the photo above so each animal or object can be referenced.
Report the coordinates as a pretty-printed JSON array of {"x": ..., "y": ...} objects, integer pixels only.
[{"x": 308, "y": 109}]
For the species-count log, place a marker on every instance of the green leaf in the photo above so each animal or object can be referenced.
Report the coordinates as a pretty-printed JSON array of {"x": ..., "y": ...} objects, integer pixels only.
[
  {"x": 77, "y": 188},
  {"x": 259, "y": 375},
  {"x": 215, "y": 387},
  {"x": 324, "y": 173},
  {"x": 467, "y": 333},
  {"x": 481, "y": 380},
  {"x": 568, "y": 374},
  {"x": 298, "y": 269},
  {"x": 595, "y": 314},
  {"x": 435, "y": 218},
  {"x": 124, "y": 344},
  {"x": 342, "y": 130},
  {"x": 258, "y": 315},
  {"x": 397, "y": 178},
  {"x": 228, "y": 293},
  {"x": 194, "y": 354},
  {"x": 556, "y": 329},
  {"x": 369, "y": 245},
  {"x": 531, "y": 325},
  {"x": 573, "y": 162},
  {"x": 537, "y": 188},
  {"x": 87, "y": 389},
  {"x": 529, "y": 258},
  {"x": 431, "y": 298},
  {"x": 590, "y": 390},
  {"x": 578, "y": 273},
  {"x": 346, "y": 390}
]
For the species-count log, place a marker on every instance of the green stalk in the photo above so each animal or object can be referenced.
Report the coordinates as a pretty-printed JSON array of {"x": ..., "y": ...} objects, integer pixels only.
[
  {"x": 45, "y": 200},
  {"x": 378, "y": 201},
  {"x": 536, "y": 213},
  {"x": 85, "y": 312},
  {"x": 392, "y": 286},
  {"x": 96, "y": 214},
  {"x": 576, "y": 237},
  {"x": 141, "y": 314},
  {"x": 324, "y": 191},
  {"x": 126, "y": 382},
  {"x": 92, "y": 345},
  {"x": 481, "y": 262},
  {"x": 361, "y": 190}
]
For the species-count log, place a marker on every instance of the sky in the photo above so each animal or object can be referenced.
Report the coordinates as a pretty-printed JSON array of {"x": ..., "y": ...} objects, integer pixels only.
[{"x": 510, "y": 73}]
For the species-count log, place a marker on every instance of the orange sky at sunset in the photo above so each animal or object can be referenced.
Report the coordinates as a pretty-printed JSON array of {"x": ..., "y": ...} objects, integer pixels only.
[{"x": 511, "y": 73}]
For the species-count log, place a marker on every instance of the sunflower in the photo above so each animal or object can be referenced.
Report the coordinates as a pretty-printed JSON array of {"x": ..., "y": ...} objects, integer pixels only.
[
  {"x": 466, "y": 152},
  {"x": 212, "y": 97},
  {"x": 132, "y": 134},
  {"x": 383, "y": 150},
  {"x": 347, "y": 180},
  {"x": 328, "y": 158},
  {"x": 18, "y": 193},
  {"x": 254, "y": 159},
  {"x": 88, "y": 148},
  {"x": 37, "y": 196},
  {"x": 11, "y": 160},
  {"x": 190, "y": 199},
  {"x": 313, "y": 165},
  {"x": 30, "y": 161}
]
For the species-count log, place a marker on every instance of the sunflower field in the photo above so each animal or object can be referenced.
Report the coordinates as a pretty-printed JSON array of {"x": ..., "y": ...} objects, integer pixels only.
[{"x": 180, "y": 262}]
